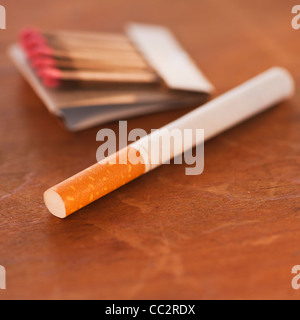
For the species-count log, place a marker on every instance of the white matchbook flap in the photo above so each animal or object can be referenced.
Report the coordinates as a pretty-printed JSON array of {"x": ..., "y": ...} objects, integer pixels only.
[{"x": 168, "y": 58}]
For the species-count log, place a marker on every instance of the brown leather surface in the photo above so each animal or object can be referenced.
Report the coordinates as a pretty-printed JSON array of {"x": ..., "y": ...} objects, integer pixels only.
[{"x": 232, "y": 232}]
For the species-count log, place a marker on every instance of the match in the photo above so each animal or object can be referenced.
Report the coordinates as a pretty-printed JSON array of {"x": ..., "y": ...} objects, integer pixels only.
[
  {"x": 54, "y": 77},
  {"x": 31, "y": 36}
]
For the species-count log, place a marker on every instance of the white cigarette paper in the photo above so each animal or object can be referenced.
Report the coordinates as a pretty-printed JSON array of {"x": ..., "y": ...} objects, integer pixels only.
[{"x": 224, "y": 112}]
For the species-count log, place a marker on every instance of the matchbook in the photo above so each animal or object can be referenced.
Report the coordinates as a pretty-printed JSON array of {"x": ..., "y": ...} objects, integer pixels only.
[{"x": 180, "y": 83}]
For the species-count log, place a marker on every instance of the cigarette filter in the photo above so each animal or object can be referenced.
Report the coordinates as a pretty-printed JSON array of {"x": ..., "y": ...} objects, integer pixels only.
[{"x": 222, "y": 113}]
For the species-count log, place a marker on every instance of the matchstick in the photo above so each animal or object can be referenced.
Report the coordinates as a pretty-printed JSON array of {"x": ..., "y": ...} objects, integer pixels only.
[
  {"x": 75, "y": 43},
  {"x": 82, "y": 52},
  {"x": 49, "y": 62},
  {"x": 98, "y": 58},
  {"x": 54, "y": 77},
  {"x": 92, "y": 56},
  {"x": 70, "y": 42},
  {"x": 222, "y": 113},
  {"x": 31, "y": 36}
]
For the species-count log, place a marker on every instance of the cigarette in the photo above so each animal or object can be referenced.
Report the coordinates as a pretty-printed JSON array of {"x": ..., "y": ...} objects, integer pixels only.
[
  {"x": 218, "y": 115},
  {"x": 54, "y": 77}
]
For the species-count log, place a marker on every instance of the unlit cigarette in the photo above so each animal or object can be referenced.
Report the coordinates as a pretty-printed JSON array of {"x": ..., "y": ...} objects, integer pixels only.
[{"x": 222, "y": 113}]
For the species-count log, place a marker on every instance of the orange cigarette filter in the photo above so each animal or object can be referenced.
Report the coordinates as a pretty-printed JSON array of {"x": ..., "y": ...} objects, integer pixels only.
[{"x": 93, "y": 183}]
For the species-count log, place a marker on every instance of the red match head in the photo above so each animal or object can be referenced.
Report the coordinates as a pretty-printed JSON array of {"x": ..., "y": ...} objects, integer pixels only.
[
  {"x": 40, "y": 50},
  {"x": 33, "y": 42},
  {"x": 43, "y": 62},
  {"x": 26, "y": 33},
  {"x": 51, "y": 77}
]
